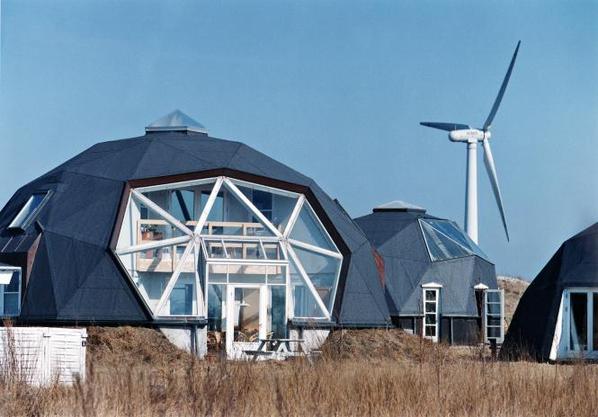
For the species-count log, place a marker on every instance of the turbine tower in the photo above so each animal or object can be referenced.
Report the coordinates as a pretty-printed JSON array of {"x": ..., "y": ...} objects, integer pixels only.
[{"x": 471, "y": 136}]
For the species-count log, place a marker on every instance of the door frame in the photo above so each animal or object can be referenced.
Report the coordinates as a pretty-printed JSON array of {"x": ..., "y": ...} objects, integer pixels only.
[
  {"x": 235, "y": 349},
  {"x": 592, "y": 351},
  {"x": 434, "y": 288}
]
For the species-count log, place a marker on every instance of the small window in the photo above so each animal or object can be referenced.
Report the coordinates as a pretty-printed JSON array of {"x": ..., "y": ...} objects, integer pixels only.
[
  {"x": 10, "y": 291},
  {"x": 29, "y": 211},
  {"x": 431, "y": 316},
  {"x": 494, "y": 315}
]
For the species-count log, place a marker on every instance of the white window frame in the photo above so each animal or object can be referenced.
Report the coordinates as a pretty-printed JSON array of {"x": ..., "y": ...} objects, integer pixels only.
[
  {"x": 12, "y": 270},
  {"x": 195, "y": 241},
  {"x": 434, "y": 288},
  {"x": 500, "y": 316},
  {"x": 566, "y": 351}
]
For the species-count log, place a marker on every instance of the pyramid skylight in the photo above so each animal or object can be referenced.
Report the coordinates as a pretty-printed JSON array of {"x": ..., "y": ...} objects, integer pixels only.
[{"x": 176, "y": 121}]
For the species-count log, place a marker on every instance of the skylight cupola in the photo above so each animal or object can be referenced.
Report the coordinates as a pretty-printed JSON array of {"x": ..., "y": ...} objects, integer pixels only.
[
  {"x": 177, "y": 121},
  {"x": 398, "y": 205}
]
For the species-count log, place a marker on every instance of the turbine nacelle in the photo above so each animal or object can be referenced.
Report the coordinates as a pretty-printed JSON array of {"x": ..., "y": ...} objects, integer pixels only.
[{"x": 468, "y": 135}]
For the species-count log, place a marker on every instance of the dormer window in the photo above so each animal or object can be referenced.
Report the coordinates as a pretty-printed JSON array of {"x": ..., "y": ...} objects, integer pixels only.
[{"x": 29, "y": 211}]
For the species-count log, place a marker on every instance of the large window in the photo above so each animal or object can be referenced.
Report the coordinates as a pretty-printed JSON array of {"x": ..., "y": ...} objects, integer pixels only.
[
  {"x": 580, "y": 322},
  {"x": 29, "y": 211},
  {"x": 10, "y": 291},
  {"x": 183, "y": 243}
]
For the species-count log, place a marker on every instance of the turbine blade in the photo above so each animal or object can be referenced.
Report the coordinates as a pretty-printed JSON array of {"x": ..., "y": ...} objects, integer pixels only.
[
  {"x": 491, "y": 169},
  {"x": 501, "y": 92},
  {"x": 445, "y": 126}
]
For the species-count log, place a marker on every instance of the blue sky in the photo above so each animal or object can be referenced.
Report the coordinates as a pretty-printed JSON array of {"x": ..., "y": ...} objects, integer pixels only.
[{"x": 335, "y": 89}]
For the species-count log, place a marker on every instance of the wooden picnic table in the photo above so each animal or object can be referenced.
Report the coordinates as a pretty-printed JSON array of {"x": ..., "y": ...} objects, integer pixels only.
[{"x": 275, "y": 345}]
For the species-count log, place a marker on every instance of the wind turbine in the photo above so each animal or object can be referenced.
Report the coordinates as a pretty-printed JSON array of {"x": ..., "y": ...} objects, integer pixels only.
[{"x": 464, "y": 133}]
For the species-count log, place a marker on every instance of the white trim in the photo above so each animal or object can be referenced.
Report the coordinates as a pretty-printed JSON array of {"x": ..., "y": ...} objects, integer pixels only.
[
  {"x": 175, "y": 185},
  {"x": 159, "y": 210},
  {"x": 330, "y": 239},
  {"x": 315, "y": 249},
  {"x": 500, "y": 316},
  {"x": 263, "y": 249},
  {"x": 308, "y": 282},
  {"x": 556, "y": 349},
  {"x": 266, "y": 188},
  {"x": 267, "y": 239},
  {"x": 252, "y": 262},
  {"x": 431, "y": 285},
  {"x": 208, "y": 207},
  {"x": 294, "y": 216},
  {"x": 565, "y": 352},
  {"x": 480, "y": 286},
  {"x": 224, "y": 251},
  {"x": 198, "y": 292},
  {"x": 173, "y": 241},
  {"x": 174, "y": 278},
  {"x": 232, "y": 187},
  {"x": 435, "y": 313}
]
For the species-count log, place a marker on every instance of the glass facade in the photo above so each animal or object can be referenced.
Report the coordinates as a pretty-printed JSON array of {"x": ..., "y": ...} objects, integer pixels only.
[
  {"x": 445, "y": 240},
  {"x": 178, "y": 239}
]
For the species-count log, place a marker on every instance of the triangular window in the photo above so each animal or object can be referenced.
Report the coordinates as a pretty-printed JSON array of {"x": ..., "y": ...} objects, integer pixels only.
[
  {"x": 323, "y": 272},
  {"x": 305, "y": 305},
  {"x": 441, "y": 246},
  {"x": 307, "y": 229},
  {"x": 231, "y": 216}
]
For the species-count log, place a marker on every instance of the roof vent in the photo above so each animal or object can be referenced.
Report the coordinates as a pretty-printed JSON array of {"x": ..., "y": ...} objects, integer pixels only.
[
  {"x": 399, "y": 205},
  {"x": 177, "y": 121}
]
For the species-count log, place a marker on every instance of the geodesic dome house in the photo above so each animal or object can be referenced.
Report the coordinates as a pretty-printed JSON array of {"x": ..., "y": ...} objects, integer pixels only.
[
  {"x": 557, "y": 316},
  {"x": 187, "y": 232},
  {"x": 438, "y": 282}
]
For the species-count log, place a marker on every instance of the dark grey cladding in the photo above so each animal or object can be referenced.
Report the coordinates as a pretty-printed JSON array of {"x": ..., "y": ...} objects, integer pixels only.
[
  {"x": 575, "y": 264},
  {"x": 74, "y": 275},
  {"x": 399, "y": 239}
]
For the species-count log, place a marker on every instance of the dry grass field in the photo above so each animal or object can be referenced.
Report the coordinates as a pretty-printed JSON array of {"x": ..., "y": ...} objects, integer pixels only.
[{"x": 136, "y": 372}]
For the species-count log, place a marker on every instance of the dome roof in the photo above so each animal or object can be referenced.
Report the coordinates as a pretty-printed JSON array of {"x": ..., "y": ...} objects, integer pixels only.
[
  {"x": 575, "y": 264},
  {"x": 419, "y": 249},
  {"x": 79, "y": 219}
]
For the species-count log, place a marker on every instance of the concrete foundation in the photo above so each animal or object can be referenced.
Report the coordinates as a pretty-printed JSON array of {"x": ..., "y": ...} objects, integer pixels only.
[
  {"x": 192, "y": 339},
  {"x": 313, "y": 338}
]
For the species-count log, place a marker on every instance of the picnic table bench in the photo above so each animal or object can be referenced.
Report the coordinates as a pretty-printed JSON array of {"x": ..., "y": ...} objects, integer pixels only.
[{"x": 276, "y": 347}]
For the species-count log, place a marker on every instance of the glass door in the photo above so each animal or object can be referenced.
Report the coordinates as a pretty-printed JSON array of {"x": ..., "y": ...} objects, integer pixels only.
[
  {"x": 581, "y": 322},
  {"x": 431, "y": 313},
  {"x": 246, "y": 323}
]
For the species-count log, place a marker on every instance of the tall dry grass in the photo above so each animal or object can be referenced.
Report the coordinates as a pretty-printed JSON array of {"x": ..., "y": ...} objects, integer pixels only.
[
  {"x": 436, "y": 383},
  {"x": 328, "y": 388}
]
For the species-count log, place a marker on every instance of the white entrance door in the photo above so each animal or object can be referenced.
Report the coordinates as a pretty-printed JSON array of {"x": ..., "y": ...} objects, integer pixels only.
[{"x": 246, "y": 324}]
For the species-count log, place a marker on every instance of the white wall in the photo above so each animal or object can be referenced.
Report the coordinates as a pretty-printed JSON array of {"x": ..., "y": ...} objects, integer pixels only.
[{"x": 42, "y": 355}]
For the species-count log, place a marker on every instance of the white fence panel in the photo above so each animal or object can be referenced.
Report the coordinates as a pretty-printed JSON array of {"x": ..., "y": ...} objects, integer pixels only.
[{"x": 42, "y": 355}]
